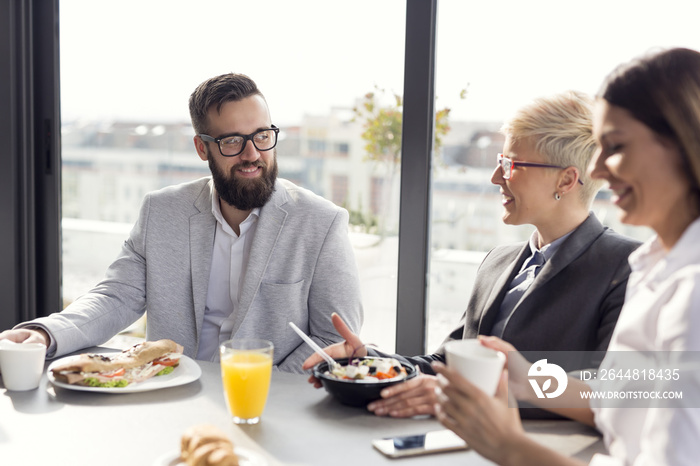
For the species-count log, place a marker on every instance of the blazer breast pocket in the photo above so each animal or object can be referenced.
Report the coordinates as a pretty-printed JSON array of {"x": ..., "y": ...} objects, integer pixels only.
[{"x": 283, "y": 299}]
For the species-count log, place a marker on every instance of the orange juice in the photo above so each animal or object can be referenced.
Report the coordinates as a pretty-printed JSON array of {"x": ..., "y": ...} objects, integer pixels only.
[{"x": 246, "y": 378}]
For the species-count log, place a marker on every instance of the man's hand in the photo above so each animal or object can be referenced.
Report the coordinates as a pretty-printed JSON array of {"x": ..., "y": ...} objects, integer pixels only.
[
  {"x": 410, "y": 398},
  {"x": 25, "y": 335},
  {"x": 351, "y": 346}
]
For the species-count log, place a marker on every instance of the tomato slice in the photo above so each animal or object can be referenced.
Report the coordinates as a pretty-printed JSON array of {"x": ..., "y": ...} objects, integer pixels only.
[
  {"x": 386, "y": 375},
  {"x": 166, "y": 361},
  {"x": 115, "y": 373}
]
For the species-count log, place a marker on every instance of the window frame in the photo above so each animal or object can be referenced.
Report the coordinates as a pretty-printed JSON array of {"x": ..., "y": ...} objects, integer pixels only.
[
  {"x": 30, "y": 235},
  {"x": 416, "y": 159}
]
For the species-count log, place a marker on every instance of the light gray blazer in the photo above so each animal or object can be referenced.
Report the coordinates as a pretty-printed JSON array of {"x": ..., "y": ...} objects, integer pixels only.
[{"x": 301, "y": 269}]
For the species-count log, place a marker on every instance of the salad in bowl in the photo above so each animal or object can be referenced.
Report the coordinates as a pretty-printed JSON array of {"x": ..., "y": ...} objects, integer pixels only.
[
  {"x": 358, "y": 381},
  {"x": 369, "y": 370}
]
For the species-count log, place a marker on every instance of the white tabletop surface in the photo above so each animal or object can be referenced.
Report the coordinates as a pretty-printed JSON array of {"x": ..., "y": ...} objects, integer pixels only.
[{"x": 300, "y": 426}]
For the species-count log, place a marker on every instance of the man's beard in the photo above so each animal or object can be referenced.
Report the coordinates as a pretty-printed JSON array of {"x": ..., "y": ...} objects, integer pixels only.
[{"x": 244, "y": 194}]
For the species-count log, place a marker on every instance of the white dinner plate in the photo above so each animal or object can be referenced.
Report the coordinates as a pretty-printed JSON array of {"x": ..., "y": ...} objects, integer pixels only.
[
  {"x": 246, "y": 457},
  {"x": 188, "y": 371}
]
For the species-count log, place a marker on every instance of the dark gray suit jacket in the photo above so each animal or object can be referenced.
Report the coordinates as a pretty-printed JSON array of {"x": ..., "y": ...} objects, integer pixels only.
[{"x": 572, "y": 305}]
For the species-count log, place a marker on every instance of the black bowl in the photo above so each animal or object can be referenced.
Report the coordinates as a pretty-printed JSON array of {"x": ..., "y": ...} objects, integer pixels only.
[{"x": 357, "y": 393}]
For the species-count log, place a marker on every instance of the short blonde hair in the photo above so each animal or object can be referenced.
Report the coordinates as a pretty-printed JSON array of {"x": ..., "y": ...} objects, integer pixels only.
[{"x": 561, "y": 129}]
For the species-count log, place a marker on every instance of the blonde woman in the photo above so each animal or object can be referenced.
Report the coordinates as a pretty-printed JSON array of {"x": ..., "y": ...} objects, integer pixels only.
[{"x": 561, "y": 290}]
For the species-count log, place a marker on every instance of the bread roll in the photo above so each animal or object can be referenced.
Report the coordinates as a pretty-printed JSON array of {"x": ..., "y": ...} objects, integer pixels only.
[
  {"x": 213, "y": 454},
  {"x": 206, "y": 445}
]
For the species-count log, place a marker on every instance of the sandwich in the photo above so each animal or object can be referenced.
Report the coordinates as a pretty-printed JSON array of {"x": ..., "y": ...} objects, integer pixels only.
[{"x": 133, "y": 365}]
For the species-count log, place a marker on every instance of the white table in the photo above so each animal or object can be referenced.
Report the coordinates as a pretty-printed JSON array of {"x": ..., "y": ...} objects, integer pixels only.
[{"x": 300, "y": 425}]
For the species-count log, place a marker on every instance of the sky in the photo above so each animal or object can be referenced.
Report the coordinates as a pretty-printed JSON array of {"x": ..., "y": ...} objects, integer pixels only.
[{"x": 141, "y": 59}]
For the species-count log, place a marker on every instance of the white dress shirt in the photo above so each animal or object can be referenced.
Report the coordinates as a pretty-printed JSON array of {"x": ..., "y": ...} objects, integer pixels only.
[
  {"x": 661, "y": 313},
  {"x": 228, "y": 265}
]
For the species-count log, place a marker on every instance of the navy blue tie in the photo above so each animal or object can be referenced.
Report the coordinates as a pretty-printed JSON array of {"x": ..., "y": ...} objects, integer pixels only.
[
  {"x": 517, "y": 288},
  {"x": 536, "y": 262}
]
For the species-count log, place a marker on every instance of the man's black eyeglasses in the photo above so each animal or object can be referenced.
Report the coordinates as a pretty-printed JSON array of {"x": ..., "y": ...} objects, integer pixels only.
[{"x": 231, "y": 146}]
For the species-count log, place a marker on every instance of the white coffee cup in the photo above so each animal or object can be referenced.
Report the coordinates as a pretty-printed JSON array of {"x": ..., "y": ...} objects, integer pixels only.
[
  {"x": 21, "y": 365},
  {"x": 478, "y": 364}
]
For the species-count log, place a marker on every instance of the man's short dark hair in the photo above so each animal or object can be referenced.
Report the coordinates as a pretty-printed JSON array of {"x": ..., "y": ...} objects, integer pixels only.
[{"x": 230, "y": 87}]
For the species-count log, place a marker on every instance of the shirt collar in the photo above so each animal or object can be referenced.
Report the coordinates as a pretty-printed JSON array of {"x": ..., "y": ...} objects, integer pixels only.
[
  {"x": 684, "y": 252},
  {"x": 548, "y": 250}
]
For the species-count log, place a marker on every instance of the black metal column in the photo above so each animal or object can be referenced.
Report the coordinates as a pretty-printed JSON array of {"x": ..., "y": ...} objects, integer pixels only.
[
  {"x": 416, "y": 155},
  {"x": 30, "y": 157}
]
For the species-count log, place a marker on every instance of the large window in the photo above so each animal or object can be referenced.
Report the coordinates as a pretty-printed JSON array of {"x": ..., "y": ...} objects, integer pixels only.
[
  {"x": 505, "y": 54},
  {"x": 127, "y": 71}
]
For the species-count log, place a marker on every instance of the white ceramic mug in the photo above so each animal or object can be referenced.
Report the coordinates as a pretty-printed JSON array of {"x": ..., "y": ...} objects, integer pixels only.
[
  {"x": 478, "y": 364},
  {"x": 21, "y": 365}
]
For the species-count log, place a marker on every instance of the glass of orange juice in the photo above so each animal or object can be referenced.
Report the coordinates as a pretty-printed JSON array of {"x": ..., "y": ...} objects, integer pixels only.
[{"x": 246, "y": 366}]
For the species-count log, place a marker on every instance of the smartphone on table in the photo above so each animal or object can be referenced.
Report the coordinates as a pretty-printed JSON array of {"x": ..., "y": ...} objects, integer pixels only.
[{"x": 436, "y": 441}]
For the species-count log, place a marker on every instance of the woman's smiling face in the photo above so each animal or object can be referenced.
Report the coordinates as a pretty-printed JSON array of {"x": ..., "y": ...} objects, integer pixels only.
[
  {"x": 644, "y": 171},
  {"x": 528, "y": 196}
]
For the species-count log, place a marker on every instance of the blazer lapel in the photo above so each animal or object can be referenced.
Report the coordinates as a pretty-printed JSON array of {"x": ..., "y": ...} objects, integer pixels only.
[
  {"x": 500, "y": 287},
  {"x": 575, "y": 245},
  {"x": 270, "y": 223},
  {"x": 202, "y": 230}
]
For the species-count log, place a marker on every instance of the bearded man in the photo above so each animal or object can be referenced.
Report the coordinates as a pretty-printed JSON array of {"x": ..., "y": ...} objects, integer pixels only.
[{"x": 235, "y": 255}]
